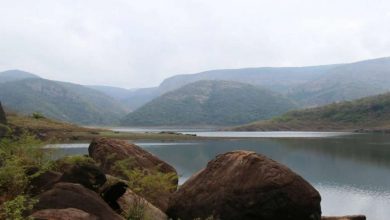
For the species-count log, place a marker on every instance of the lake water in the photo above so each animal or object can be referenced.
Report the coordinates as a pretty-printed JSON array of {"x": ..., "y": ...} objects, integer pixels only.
[{"x": 351, "y": 171}]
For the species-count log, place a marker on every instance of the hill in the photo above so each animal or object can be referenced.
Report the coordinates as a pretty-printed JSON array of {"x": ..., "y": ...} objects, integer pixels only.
[
  {"x": 346, "y": 82},
  {"x": 371, "y": 113},
  {"x": 310, "y": 86},
  {"x": 59, "y": 100},
  {"x": 279, "y": 79},
  {"x": 14, "y": 75},
  {"x": 210, "y": 103}
]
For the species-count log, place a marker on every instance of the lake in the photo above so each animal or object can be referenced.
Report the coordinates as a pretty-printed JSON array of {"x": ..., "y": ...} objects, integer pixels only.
[{"x": 351, "y": 171}]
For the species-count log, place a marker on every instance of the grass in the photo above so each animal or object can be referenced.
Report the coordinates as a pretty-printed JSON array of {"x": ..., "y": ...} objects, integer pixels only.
[{"x": 57, "y": 131}]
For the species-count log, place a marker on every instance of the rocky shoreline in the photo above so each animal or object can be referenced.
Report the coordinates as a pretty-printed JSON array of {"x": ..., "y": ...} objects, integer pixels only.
[{"x": 234, "y": 185}]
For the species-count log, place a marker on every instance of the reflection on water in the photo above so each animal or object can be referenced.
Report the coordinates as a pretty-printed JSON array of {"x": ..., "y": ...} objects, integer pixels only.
[{"x": 351, "y": 172}]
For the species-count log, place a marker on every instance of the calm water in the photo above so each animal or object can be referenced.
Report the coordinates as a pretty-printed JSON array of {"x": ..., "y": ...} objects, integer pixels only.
[{"x": 352, "y": 172}]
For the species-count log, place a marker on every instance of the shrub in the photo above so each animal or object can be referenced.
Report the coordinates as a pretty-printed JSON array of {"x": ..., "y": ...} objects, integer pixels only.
[
  {"x": 14, "y": 209},
  {"x": 37, "y": 115},
  {"x": 21, "y": 160},
  {"x": 62, "y": 164},
  {"x": 149, "y": 184}
]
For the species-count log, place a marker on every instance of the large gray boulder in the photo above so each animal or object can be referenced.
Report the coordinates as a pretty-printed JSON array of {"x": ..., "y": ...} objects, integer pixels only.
[{"x": 245, "y": 185}]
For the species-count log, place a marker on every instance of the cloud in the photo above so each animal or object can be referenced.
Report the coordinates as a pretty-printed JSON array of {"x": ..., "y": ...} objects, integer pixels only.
[{"x": 139, "y": 43}]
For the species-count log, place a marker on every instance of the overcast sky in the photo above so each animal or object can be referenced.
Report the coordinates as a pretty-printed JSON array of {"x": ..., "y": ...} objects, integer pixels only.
[{"x": 132, "y": 43}]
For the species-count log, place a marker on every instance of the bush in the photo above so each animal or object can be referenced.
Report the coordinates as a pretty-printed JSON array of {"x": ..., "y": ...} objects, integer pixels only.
[
  {"x": 21, "y": 160},
  {"x": 14, "y": 209},
  {"x": 37, "y": 115},
  {"x": 146, "y": 183},
  {"x": 149, "y": 184},
  {"x": 64, "y": 163}
]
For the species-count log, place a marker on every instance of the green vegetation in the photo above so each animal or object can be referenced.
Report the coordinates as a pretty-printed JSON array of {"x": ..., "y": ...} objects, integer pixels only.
[
  {"x": 14, "y": 209},
  {"x": 372, "y": 113},
  {"x": 18, "y": 158},
  {"x": 37, "y": 115},
  {"x": 210, "y": 103},
  {"x": 146, "y": 183}
]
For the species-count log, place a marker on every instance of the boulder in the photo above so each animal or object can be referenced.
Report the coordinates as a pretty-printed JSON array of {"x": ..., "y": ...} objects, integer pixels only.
[
  {"x": 63, "y": 214},
  {"x": 245, "y": 185},
  {"x": 3, "y": 119},
  {"x": 347, "y": 217},
  {"x": 70, "y": 195},
  {"x": 87, "y": 175},
  {"x": 132, "y": 204},
  {"x": 43, "y": 182},
  {"x": 109, "y": 151},
  {"x": 3, "y": 122}
]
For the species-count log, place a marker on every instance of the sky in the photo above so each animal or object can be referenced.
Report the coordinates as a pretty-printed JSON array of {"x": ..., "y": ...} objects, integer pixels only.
[{"x": 139, "y": 43}]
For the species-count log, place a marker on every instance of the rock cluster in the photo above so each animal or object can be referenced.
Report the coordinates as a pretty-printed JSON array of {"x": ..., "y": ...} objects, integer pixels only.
[
  {"x": 107, "y": 152},
  {"x": 235, "y": 185}
]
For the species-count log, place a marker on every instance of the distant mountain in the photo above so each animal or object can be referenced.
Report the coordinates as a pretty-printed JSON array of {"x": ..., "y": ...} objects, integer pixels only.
[
  {"x": 115, "y": 92},
  {"x": 310, "y": 86},
  {"x": 140, "y": 97},
  {"x": 210, "y": 103},
  {"x": 131, "y": 98},
  {"x": 278, "y": 79},
  {"x": 346, "y": 82},
  {"x": 59, "y": 100},
  {"x": 371, "y": 113},
  {"x": 14, "y": 75}
]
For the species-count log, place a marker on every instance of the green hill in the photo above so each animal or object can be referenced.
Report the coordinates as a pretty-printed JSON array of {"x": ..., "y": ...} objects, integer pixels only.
[
  {"x": 371, "y": 113},
  {"x": 210, "y": 103},
  {"x": 58, "y": 100}
]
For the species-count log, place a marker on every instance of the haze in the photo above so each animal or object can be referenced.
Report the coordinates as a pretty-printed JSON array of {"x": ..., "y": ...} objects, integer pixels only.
[{"x": 139, "y": 43}]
